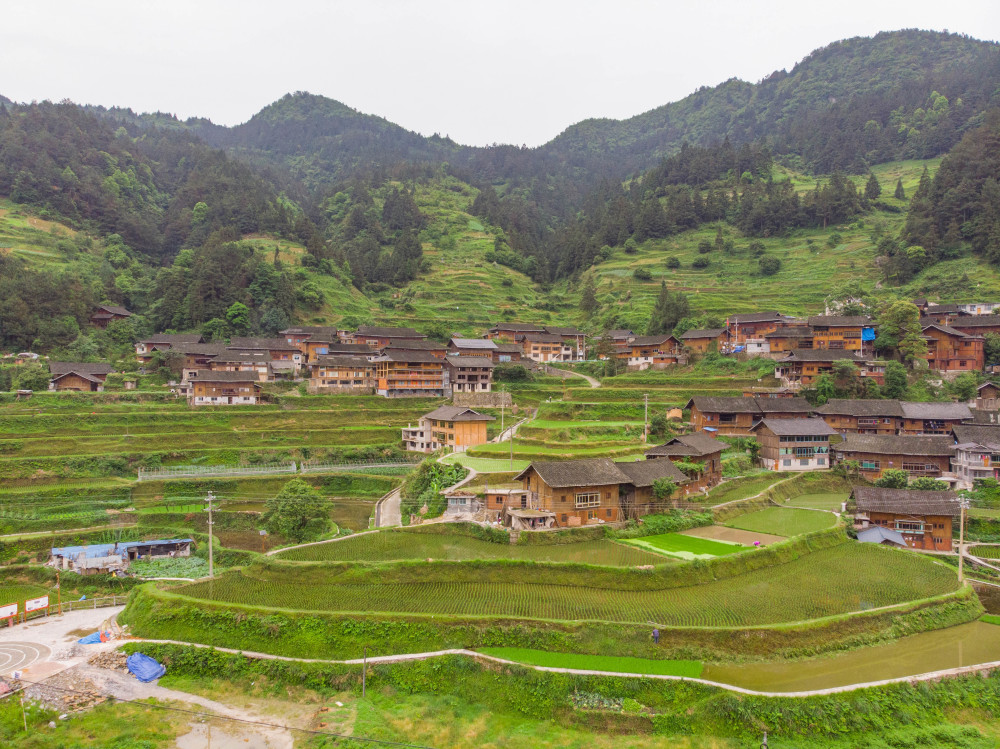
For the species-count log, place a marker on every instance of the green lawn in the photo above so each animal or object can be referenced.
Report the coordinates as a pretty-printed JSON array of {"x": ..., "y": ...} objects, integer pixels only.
[
  {"x": 685, "y": 547},
  {"x": 830, "y": 501},
  {"x": 782, "y": 521},
  {"x": 617, "y": 664},
  {"x": 486, "y": 465}
]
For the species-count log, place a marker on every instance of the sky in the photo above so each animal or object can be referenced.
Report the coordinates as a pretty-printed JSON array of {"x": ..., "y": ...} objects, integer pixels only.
[{"x": 481, "y": 72}]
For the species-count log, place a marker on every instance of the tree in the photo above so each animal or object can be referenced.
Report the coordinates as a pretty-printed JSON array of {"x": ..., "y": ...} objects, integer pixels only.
[
  {"x": 927, "y": 484},
  {"x": 658, "y": 425},
  {"x": 899, "y": 330},
  {"x": 238, "y": 318},
  {"x": 964, "y": 387},
  {"x": 991, "y": 349},
  {"x": 588, "y": 299},
  {"x": 664, "y": 488},
  {"x": 872, "y": 189},
  {"x": 893, "y": 478},
  {"x": 826, "y": 388},
  {"x": 769, "y": 265},
  {"x": 670, "y": 307},
  {"x": 895, "y": 380},
  {"x": 673, "y": 262},
  {"x": 298, "y": 512},
  {"x": 215, "y": 329},
  {"x": 273, "y": 321},
  {"x": 900, "y": 193}
]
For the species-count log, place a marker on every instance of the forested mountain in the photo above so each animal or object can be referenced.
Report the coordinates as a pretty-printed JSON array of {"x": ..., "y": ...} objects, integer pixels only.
[{"x": 177, "y": 206}]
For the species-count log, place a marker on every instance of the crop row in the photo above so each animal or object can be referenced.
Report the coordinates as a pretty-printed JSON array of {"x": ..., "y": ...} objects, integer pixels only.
[{"x": 839, "y": 580}]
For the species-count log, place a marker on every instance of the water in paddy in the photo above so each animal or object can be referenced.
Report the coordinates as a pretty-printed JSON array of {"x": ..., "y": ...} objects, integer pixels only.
[
  {"x": 990, "y": 596},
  {"x": 964, "y": 645}
]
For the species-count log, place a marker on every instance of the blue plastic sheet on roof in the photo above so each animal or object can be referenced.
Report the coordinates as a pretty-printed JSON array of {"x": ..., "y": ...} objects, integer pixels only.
[
  {"x": 739, "y": 349},
  {"x": 144, "y": 667},
  {"x": 868, "y": 334}
]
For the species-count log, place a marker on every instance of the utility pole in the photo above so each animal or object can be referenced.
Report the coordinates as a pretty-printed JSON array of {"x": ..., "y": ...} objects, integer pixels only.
[
  {"x": 364, "y": 672},
  {"x": 964, "y": 504},
  {"x": 58, "y": 591},
  {"x": 211, "y": 553}
]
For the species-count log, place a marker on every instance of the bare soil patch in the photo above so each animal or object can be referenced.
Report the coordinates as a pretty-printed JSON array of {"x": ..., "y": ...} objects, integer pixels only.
[{"x": 733, "y": 535}]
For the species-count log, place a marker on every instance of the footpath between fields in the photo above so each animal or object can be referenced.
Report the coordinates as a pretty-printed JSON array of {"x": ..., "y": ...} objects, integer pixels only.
[{"x": 978, "y": 668}]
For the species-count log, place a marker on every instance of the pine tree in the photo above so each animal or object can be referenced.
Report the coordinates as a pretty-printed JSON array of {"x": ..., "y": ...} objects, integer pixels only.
[
  {"x": 670, "y": 307},
  {"x": 900, "y": 192},
  {"x": 873, "y": 189},
  {"x": 588, "y": 300}
]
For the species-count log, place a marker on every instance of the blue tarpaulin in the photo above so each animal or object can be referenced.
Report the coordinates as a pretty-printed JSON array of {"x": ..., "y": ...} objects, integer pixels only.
[
  {"x": 144, "y": 667},
  {"x": 91, "y": 639},
  {"x": 868, "y": 334}
]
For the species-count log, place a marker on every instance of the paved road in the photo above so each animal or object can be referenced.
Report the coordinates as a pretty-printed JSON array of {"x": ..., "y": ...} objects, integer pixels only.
[
  {"x": 567, "y": 373},
  {"x": 387, "y": 514}
]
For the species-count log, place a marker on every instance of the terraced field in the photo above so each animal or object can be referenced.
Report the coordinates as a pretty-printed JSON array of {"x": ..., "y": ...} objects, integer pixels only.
[
  {"x": 396, "y": 545},
  {"x": 18, "y": 593},
  {"x": 783, "y": 521},
  {"x": 847, "y": 578}
]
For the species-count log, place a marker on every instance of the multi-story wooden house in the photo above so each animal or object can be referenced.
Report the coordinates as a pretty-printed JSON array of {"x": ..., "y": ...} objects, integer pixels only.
[
  {"x": 932, "y": 418},
  {"x": 943, "y": 314},
  {"x": 79, "y": 377},
  {"x": 162, "y": 342},
  {"x": 862, "y": 416},
  {"x": 279, "y": 349},
  {"x": 507, "y": 352},
  {"x": 574, "y": 338},
  {"x": 840, "y": 332},
  {"x": 918, "y": 456},
  {"x": 754, "y": 325},
  {"x": 509, "y": 331},
  {"x": 698, "y": 447},
  {"x": 801, "y": 368},
  {"x": 469, "y": 374},
  {"x": 703, "y": 340},
  {"x": 257, "y": 362},
  {"x": 298, "y": 335},
  {"x": 652, "y": 352},
  {"x": 978, "y": 325},
  {"x": 951, "y": 350},
  {"x": 107, "y": 313},
  {"x": 472, "y": 347},
  {"x": 977, "y": 454},
  {"x": 636, "y": 496},
  {"x": 447, "y": 427},
  {"x": 793, "y": 444},
  {"x": 988, "y": 397},
  {"x": 401, "y": 374},
  {"x": 790, "y": 338},
  {"x": 544, "y": 347},
  {"x": 735, "y": 415},
  {"x": 208, "y": 388},
  {"x": 410, "y": 345},
  {"x": 353, "y": 375},
  {"x": 380, "y": 337},
  {"x": 922, "y": 518}
]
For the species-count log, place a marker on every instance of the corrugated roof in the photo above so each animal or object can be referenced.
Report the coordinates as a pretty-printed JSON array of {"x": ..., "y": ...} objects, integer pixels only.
[
  {"x": 885, "y": 444},
  {"x": 861, "y": 407},
  {"x": 905, "y": 501},
  {"x": 92, "y": 551},
  {"x": 876, "y": 534},
  {"x": 796, "y": 427}
]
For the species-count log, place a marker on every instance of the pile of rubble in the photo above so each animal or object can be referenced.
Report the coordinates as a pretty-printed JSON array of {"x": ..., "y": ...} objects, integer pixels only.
[
  {"x": 113, "y": 660},
  {"x": 65, "y": 692}
]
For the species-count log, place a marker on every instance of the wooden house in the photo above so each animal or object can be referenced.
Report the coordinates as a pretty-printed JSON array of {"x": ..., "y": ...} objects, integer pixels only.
[
  {"x": 923, "y": 518},
  {"x": 208, "y": 388},
  {"x": 978, "y": 325},
  {"x": 469, "y": 374},
  {"x": 573, "y": 338},
  {"x": 257, "y": 362},
  {"x": 942, "y": 314},
  {"x": 862, "y": 416},
  {"x": 698, "y": 447},
  {"x": 636, "y": 496},
  {"x": 951, "y": 350},
  {"x": 508, "y": 331},
  {"x": 651, "y": 352},
  {"x": 789, "y": 338},
  {"x": 619, "y": 336},
  {"x": 401, "y": 374},
  {"x": 411, "y": 345},
  {"x": 448, "y": 427},
  {"x": 544, "y": 347},
  {"x": 162, "y": 342},
  {"x": 380, "y": 337},
  {"x": 932, "y": 418},
  {"x": 794, "y": 444},
  {"x": 298, "y": 335},
  {"x": 918, "y": 456},
  {"x": 988, "y": 397},
  {"x": 735, "y": 415},
  {"x": 107, "y": 313},
  {"x": 320, "y": 343},
  {"x": 507, "y": 352},
  {"x": 839, "y": 332},
  {"x": 801, "y": 368},
  {"x": 279, "y": 349},
  {"x": 754, "y": 325},
  {"x": 195, "y": 355},
  {"x": 472, "y": 347},
  {"x": 703, "y": 340},
  {"x": 977, "y": 453},
  {"x": 354, "y": 375},
  {"x": 78, "y": 377}
]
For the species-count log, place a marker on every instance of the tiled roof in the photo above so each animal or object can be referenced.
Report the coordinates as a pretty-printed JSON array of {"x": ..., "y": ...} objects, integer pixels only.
[
  {"x": 885, "y": 444},
  {"x": 980, "y": 416},
  {"x": 759, "y": 406},
  {"x": 987, "y": 436},
  {"x": 172, "y": 338},
  {"x": 840, "y": 321},
  {"x": 783, "y": 405},
  {"x": 456, "y": 413},
  {"x": 207, "y": 375},
  {"x": 271, "y": 344},
  {"x": 334, "y": 360},
  {"x": 643, "y": 473},
  {"x": 508, "y": 348},
  {"x": 792, "y": 331},
  {"x": 861, "y": 407},
  {"x": 796, "y": 427},
  {"x": 469, "y": 361},
  {"x": 414, "y": 345},
  {"x": 651, "y": 340},
  {"x": 755, "y": 317},
  {"x": 822, "y": 355},
  {"x": 695, "y": 445},
  {"x": 942, "y": 411},
  {"x": 946, "y": 329},
  {"x": 80, "y": 368},
  {"x": 563, "y": 331},
  {"x": 474, "y": 343},
  {"x": 977, "y": 321},
  {"x": 565, "y": 473},
  {"x": 703, "y": 333},
  {"x": 375, "y": 331},
  {"x": 540, "y": 338},
  {"x": 402, "y": 355},
  {"x": 518, "y": 327},
  {"x": 905, "y": 501},
  {"x": 114, "y": 309}
]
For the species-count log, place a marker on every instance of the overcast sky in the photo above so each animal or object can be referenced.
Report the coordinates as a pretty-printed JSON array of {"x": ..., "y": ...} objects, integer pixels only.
[{"x": 481, "y": 72}]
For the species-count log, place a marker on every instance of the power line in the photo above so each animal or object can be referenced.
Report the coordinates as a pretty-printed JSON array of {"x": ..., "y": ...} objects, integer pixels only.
[{"x": 383, "y": 742}]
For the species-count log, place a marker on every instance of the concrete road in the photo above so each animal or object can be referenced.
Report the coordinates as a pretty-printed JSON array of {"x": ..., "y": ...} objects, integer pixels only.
[{"x": 387, "y": 513}]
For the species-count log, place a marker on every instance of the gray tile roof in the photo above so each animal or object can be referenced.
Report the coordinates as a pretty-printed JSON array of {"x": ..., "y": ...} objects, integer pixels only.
[
  {"x": 755, "y": 317},
  {"x": 334, "y": 360},
  {"x": 753, "y": 405},
  {"x": 783, "y": 405},
  {"x": 643, "y": 473},
  {"x": 474, "y": 343},
  {"x": 80, "y": 368},
  {"x": 456, "y": 413},
  {"x": 469, "y": 361},
  {"x": 796, "y": 427},
  {"x": 696, "y": 444},
  {"x": 792, "y": 331},
  {"x": 987, "y": 436},
  {"x": 565, "y": 473},
  {"x": 861, "y": 407},
  {"x": 905, "y": 501},
  {"x": 985, "y": 417},
  {"x": 840, "y": 321},
  {"x": 518, "y": 327},
  {"x": 942, "y": 411},
  {"x": 651, "y": 340},
  {"x": 402, "y": 355},
  {"x": 207, "y": 375},
  {"x": 823, "y": 355},
  {"x": 414, "y": 345},
  {"x": 563, "y": 331},
  {"x": 703, "y": 333},
  {"x": 977, "y": 321},
  {"x": 271, "y": 344},
  {"x": 947, "y": 329},
  {"x": 885, "y": 444}
]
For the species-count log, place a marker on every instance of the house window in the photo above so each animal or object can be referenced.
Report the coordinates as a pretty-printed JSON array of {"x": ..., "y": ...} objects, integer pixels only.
[
  {"x": 591, "y": 499},
  {"x": 563, "y": 518},
  {"x": 909, "y": 526},
  {"x": 804, "y": 462},
  {"x": 870, "y": 465},
  {"x": 727, "y": 418},
  {"x": 786, "y": 462}
]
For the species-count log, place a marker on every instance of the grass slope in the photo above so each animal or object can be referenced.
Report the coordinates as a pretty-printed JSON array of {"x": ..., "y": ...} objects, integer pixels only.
[{"x": 619, "y": 664}]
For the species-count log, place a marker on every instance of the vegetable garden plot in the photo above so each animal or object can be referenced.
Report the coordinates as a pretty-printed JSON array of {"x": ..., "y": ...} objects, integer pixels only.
[
  {"x": 397, "y": 545},
  {"x": 840, "y": 580}
]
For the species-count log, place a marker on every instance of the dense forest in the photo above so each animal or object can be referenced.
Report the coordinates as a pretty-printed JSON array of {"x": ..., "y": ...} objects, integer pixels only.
[{"x": 174, "y": 205}]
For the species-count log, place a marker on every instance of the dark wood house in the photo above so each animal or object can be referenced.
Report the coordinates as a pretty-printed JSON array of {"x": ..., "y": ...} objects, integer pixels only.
[
  {"x": 698, "y": 447},
  {"x": 736, "y": 415},
  {"x": 922, "y": 518},
  {"x": 794, "y": 444},
  {"x": 918, "y": 456}
]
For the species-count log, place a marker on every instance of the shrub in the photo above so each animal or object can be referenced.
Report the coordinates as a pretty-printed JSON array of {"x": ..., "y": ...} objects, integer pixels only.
[
  {"x": 769, "y": 265},
  {"x": 701, "y": 262},
  {"x": 673, "y": 262},
  {"x": 704, "y": 247},
  {"x": 641, "y": 274}
]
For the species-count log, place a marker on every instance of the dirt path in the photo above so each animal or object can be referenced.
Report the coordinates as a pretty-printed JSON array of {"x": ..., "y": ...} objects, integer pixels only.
[{"x": 567, "y": 373}]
